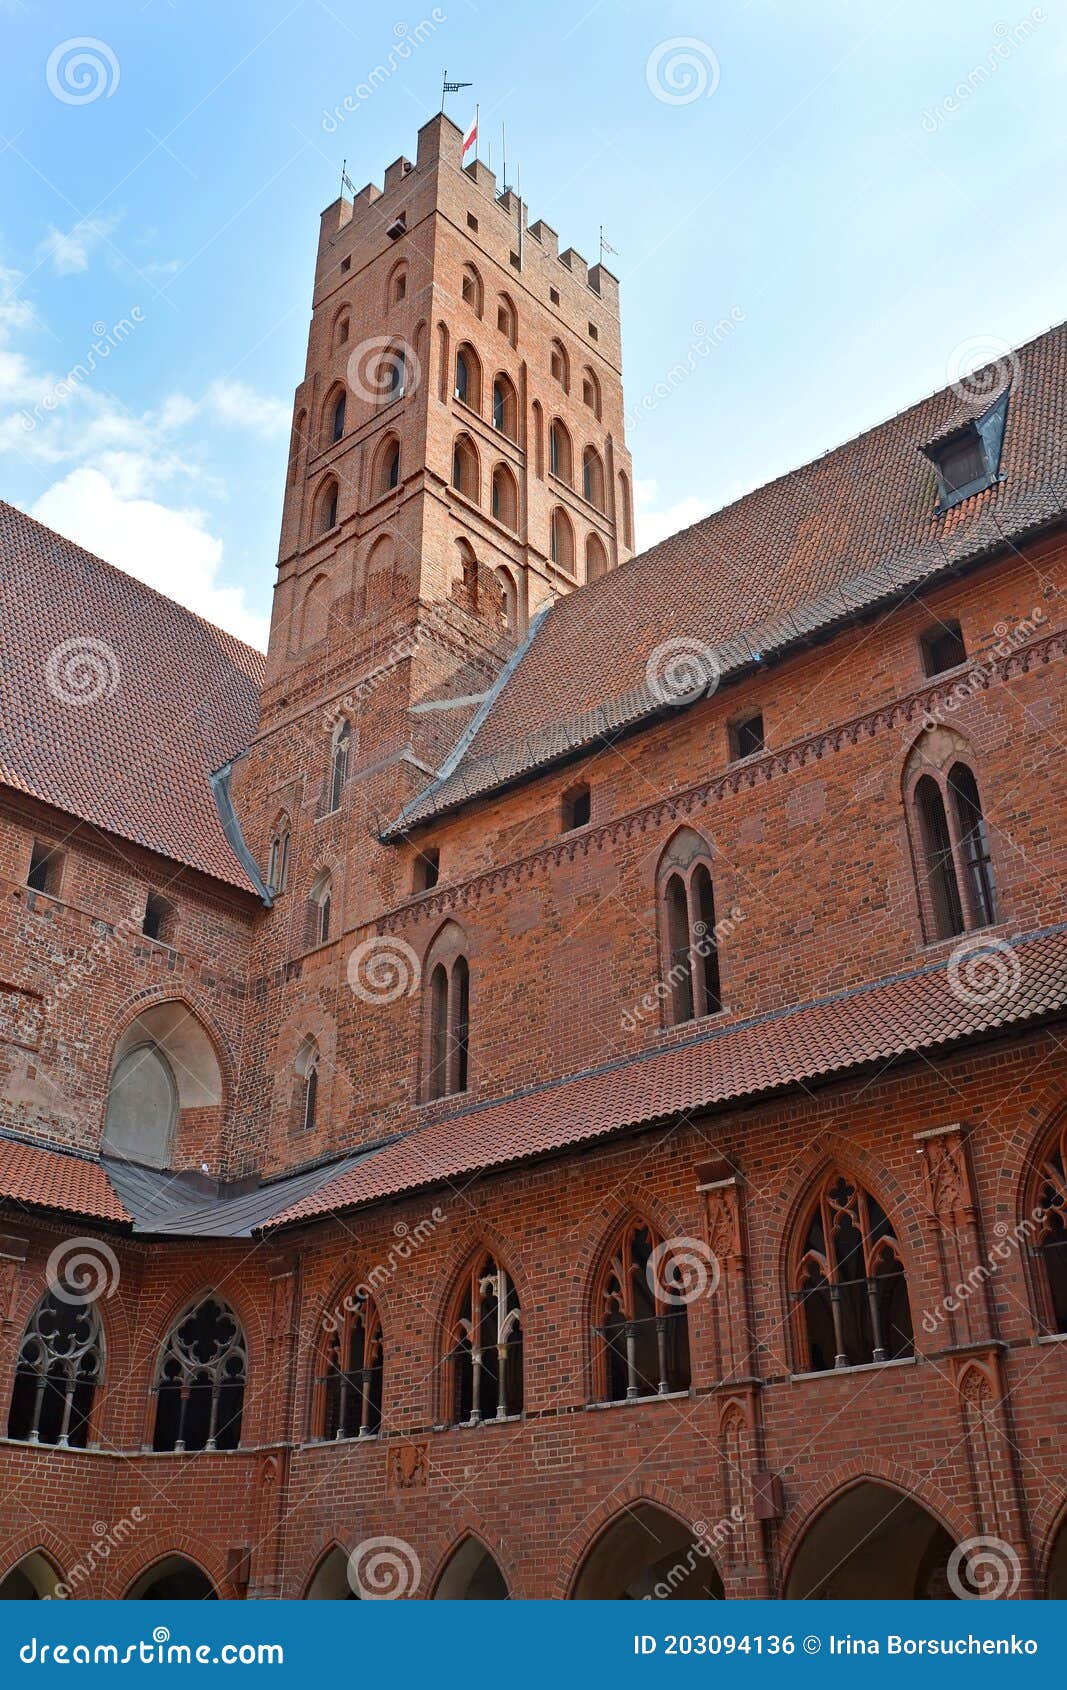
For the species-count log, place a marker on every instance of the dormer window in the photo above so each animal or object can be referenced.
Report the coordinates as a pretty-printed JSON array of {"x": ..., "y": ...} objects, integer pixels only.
[{"x": 966, "y": 460}]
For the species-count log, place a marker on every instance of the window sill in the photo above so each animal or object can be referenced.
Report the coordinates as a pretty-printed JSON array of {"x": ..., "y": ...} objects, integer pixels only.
[
  {"x": 940, "y": 675},
  {"x": 324, "y": 815},
  {"x": 639, "y": 1402},
  {"x": 341, "y": 1443},
  {"x": 480, "y": 1425},
  {"x": 932, "y": 947},
  {"x": 1051, "y": 1338},
  {"x": 847, "y": 1372}
]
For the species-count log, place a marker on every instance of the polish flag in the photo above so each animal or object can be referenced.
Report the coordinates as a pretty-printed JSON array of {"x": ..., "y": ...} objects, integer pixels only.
[{"x": 469, "y": 138}]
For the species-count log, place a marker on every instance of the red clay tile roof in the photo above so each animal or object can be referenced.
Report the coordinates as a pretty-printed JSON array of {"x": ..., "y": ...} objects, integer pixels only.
[
  {"x": 852, "y": 530},
  {"x": 894, "y": 1017},
  {"x": 167, "y": 698},
  {"x": 51, "y": 1179}
]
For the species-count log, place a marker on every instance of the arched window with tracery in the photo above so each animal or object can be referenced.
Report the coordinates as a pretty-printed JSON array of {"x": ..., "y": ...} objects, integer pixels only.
[
  {"x": 1049, "y": 1244},
  {"x": 447, "y": 1035},
  {"x": 640, "y": 1324},
  {"x": 200, "y": 1383},
  {"x": 561, "y": 540},
  {"x": 484, "y": 1358},
  {"x": 505, "y": 497},
  {"x": 60, "y": 1364},
  {"x": 505, "y": 407},
  {"x": 306, "y": 1087},
  {"x": 465, "y": 467},
  {"x": 559, "y": 452},
  {"x": 348, "y": 1400},
  {"x": 339, "y": 751},
  {"x": 849, "y": 1287},
  {"x": 278, "y": 856},
  {"x": 689, "y": 947},
  {"x": 950, "y": 838}
]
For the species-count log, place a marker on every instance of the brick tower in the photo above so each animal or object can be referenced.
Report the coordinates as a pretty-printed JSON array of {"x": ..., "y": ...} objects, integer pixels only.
[{"x": 457, "y": 460}]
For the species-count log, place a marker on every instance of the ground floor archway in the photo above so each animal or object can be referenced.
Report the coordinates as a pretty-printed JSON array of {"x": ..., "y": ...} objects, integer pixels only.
[
  {"x": 172, "y": 1579},
  {"x": 471, "y": 1575},
  {"x": 647, "y": 1552},
  {"x": 872, "y": 1543},
  {"x": 29, "y": 1580},
  {"x": 330, "y": 1582}
]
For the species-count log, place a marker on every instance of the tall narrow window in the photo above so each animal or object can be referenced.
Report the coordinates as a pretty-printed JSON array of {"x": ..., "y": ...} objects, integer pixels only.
[
  {"x": 505, "y": 497},
  {"x": 321, "y": 901},
  {"x": 746, "y": 735},
  {"x": 640, "y": 1319},
  {"x": 1050, "y": 1243},
  {"x": 350, "y": 1384},
  {"x": 591, "y": 392},
  {"x": 465, "y": 467},
  {"x": 471, "y": 288},
  {"x": 200, "y": 1385},
  {"x": 938, "y": 865},
  {"x": 596, "y": 558},
  {"x": 160, "y": 919},
  {"x": 327, "y": 507},
  {"x": 45, "y": 867},
  {"x": 385, "y": 474},
  {"x": 307, "y": 1087},
  {"x": 337, "y": 420},
  {"x": 560, "y": 365},
  {"x": 278, "y": 857},
  {"x": 339, "y": 763},
  {"x": 468, "y": 378},
  {"x": 60, "y": 1364},
  {"x": 505, "y": 407},
  {"x": 507, "y": 318},
  {"x": 971, "y": 829},
  {"x": 690, "y": 941},
  {"x": 949, "y": 837},
  {"x": 849, "y": 1287},
  {"x": 427, "y": 869},
  {"x": 559, "y": 451},
  {"x": 562, "y": 541},
  {"x": 448, "y": 1017},
  {"x": 593, "y": 477},
  {"x": 485, "y": 1353},
  {"x": 576, "y": 807},
  {"x": 943, "y": 647}
]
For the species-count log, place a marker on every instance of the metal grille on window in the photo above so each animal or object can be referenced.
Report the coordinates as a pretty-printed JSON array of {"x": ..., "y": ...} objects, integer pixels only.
[
  {"x": 60, "y": 1364},
  {"x": 486, "y": 1354},
  {"x": 644, "y": 1334},
  {"x": 201, "y": 1383}
]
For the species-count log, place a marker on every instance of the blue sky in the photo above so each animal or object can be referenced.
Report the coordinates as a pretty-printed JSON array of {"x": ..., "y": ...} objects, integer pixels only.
[{"x": 865, "y": 197}]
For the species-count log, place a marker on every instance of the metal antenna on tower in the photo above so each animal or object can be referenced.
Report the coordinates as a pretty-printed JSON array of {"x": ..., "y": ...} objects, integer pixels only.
[
  {"x": 346, "y": 181},
  {"x": 451, "y": 87}
]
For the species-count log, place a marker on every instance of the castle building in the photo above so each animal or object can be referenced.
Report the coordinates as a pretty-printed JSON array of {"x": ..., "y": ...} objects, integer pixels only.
[{"x": 552, "y": 1084}]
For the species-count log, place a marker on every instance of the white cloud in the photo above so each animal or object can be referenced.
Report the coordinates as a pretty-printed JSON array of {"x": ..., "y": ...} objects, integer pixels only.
[
  {"x": 70, "y": 252},
  {"x": 654, "y": 524},
  {"x": 240, "y": 406},
  {"x": 170, "y": 549}
]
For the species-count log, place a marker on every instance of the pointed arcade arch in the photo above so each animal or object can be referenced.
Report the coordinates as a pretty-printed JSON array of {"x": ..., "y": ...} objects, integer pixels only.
[
  {"x": 647, "y": 1552},
  {"x": 173, "y": 1579},
  {"x": 471, "y": 1574},
  {"x": 872, "y": 1541},
  {"x": 33, "y": 1579}
]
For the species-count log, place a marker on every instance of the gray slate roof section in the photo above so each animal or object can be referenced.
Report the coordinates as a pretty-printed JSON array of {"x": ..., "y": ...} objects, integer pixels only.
[{"x": 178, "y": 1205}]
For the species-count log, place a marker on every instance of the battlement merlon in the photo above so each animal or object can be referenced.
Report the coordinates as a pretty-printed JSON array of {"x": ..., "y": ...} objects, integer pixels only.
[{"x": 358, "y": 229}]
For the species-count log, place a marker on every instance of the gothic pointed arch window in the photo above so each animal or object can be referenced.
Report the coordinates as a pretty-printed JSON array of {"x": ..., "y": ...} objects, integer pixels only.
[
  {"x": 396, "y": 286},
  {"x": 326, "y": 505},
  {"x": 60, "y": 1365},
  {"x": 689, "y": 944},
  {"x": 1049, "y": 1244},
  {"x": 297, "y": 443},
  {"x": 385, "y": 470},
  {"x": 561, "y": 540},
  {"x": 306, "y": 1090},
  {"x": 200, "y": 1381},
  {"x": 446, "y": 1039},
  {"x": 471, "y": 289},
  {"x": 465, "y": 476},
  {"x": 505, "y": 497},
  {"x": 165, "y": 1068},
  {"x": 507, "y": 319},
  {"x": 348, "y": 1384},
  {"x": 320, "y": 904},
  {"x": 593, "y": 477},
  {"x": 334, "y": 418},
  {"x": 560, "y": 365},
  {"x": 505, "y": 406},
  {"x": 340, "y": 747},
  {"x": 640, "y": 1326},
  {"x": 849, "y": 1288},
  {"x": 484, "y": 1357},
  {"x": 949, "y": 837},
  {"x": 591, "y": 391},
  {"x": 509, "y": 601},
  {"x": 342, "y": 323},
  {"x": 626, "y": 518},
  {"x": 468, "y": 388},
  {"x": 559, "y": 452},
  {"x": 596, "y": 558},
  {"x": 278, "y": 856}
]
